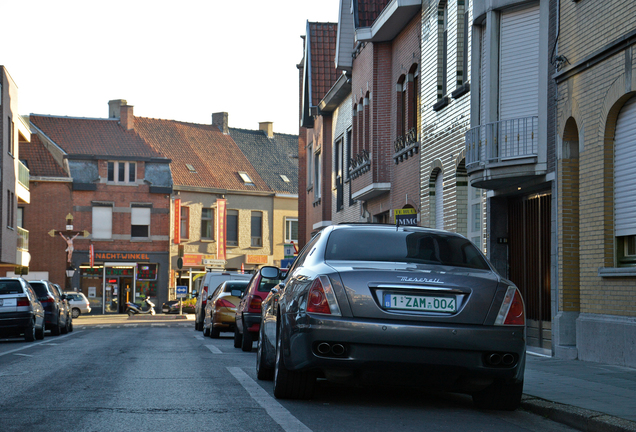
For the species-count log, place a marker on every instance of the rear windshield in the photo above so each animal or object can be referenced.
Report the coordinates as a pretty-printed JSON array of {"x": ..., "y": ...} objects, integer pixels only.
[
  {"x": 230, "y": 286},
  {"x": 11, "y": 287},
  {"x": 40, "y": 289},
  {"x": 403, "y": 246}
]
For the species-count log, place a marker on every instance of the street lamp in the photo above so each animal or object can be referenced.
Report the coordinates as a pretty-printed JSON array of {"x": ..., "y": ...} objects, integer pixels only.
[{"x": 70, "y": 271}]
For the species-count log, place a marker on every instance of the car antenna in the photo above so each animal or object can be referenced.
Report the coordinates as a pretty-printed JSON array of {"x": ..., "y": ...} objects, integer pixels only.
[{"x": 397, "y": 224}]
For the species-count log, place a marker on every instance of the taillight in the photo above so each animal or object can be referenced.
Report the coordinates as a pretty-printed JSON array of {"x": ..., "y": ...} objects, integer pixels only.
[
  {"x": 23, "y": 302},
  {"x": 255, "y": 303},
  {"x": 204, "y": 296},
  {"x": 223, "y": 303},
  {"x": 321, "y": 298},
  {"x": 512, "y": 310},
  {"x": 47, "y": 300}
]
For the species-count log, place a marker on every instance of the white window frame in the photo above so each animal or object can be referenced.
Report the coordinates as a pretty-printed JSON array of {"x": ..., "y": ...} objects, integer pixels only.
[{"x": 288, "y": 230}]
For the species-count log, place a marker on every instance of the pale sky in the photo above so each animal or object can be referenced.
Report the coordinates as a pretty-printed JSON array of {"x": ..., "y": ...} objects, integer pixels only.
[{"x": 178, "y": 60}]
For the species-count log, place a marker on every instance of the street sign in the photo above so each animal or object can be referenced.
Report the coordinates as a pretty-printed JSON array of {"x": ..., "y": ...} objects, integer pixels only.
[{"x": 182, "y": 291}]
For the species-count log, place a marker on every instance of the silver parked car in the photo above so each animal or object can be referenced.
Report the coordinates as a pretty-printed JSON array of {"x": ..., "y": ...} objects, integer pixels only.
[
  {"x": 20, "y": 310},
  {"x": 379, "y": 304},
  {"x": 78, "y": 302}
]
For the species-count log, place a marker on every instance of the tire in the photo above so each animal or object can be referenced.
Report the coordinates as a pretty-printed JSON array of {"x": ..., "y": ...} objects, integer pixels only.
[
  {"x": 55, "y": 331},
  {"x": 206, "y": 331},
  {"x": 70, "y": 324},
  {"x": 39, "y": 334},
  {"x": 215, "y": 333},
  {"x": 238, "y": 338},
  {"x": 262, "y": 371},
  {"x": 499, "y": 396},
  {"x": 29, "y": 332},
  {"x": 64, "y": 328},
  {"x": 130, "y": 313},
  {"x": 246, "y": 344},
  {"x": 291, "y": 384},
  {"x": 75, "y": 313}
]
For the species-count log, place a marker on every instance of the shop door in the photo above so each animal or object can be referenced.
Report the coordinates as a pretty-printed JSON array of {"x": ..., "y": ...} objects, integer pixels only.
[
  {"x": 111, "y": 296},
  {"x": 529, "y": 225}
]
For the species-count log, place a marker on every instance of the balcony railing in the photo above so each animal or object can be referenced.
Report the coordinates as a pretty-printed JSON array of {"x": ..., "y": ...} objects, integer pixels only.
[
  {"x": 502, "y": 140},
  {"x": 23, "y": 175},
  {"x": 359, "y": 164},
  {"x": 23, "y": 239}
]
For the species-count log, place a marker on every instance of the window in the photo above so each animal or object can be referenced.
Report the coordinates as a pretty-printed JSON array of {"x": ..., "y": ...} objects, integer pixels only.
[
  {"x": 232, "y": 228},
  {"x": 10, "y": 137},
  {"x": 442, "y": 48},
  {"x": 257, "y": 229},
  {"x": 348, "y": 158},
  {"x": 140, "y": 222},
  {"x": 310, "y": 177},
  {"x": 10, "y": 207},
  {"x": 185, "y": 222},
  {"x": 122, "y": 172},
  {"x": 317, "y": 176},
  {"x": 207, "y": 223},
  {"x": 284, "y": 178},
  {"x": 339, "y": 174},
  {"x": 102, "y": 221},
  {"x": 246, "y": 178},
  {"x": 402, "y": 102},
  {"x": 291, "y": 230}
]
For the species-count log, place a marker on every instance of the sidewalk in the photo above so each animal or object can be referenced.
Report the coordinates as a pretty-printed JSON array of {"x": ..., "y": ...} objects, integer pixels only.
[{"x": 584, "y": 395}]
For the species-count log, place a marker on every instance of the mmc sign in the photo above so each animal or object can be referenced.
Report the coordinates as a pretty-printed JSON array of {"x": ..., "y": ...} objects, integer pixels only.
[{"x": 405, "y": 217}]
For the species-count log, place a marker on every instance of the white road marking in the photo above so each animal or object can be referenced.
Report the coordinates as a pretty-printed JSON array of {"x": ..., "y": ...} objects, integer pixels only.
[
  {"x": 157, "y": 325},
  {"x": 25, "y": 355},
  {"x": 198, "y": 337},
  {"x": 37, "y": 343},
  {"x": 214, "y": 349},
  {"x": 276, "y": 411}
]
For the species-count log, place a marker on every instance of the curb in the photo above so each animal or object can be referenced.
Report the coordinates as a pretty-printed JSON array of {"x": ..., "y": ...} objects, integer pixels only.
[{"x": 578, "y": 418}]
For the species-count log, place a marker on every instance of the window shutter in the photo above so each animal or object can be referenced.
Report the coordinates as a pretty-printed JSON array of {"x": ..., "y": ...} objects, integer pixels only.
[
  {"x": 625, "y": 170},
  {"x": 102, "y": 222}
]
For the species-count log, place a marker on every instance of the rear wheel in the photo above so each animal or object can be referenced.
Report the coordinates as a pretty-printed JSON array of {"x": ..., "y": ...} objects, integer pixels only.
[
  {"x": 499, "y": 396},
  {"x": 291, "y": 384},
  {"x": 64, "y": 328},
  {"x": 246, "y": 343},
  {"x": 262, "y": 371},
  {"x": 29, "y": 332},
  {"x": 39, "y": 333},
  {"x": 57, "y": 329},
  {"x": 75, "y": 312},
  {"x": 238, "y": 338},
  {"x": 215, "y": 332},
  {"x": 206, "y": 330}
]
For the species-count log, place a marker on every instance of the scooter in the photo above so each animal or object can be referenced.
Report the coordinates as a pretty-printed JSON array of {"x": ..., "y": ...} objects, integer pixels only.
[{"x": 133, "y": 309}]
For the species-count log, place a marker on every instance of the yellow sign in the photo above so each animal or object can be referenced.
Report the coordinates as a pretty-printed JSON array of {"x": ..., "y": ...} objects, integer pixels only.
[
  {"x": 255, "y": 259},
  {"x": 406, "y": 211}
]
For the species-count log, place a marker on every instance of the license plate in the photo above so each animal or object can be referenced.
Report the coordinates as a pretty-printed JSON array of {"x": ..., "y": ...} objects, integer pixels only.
[{"x": 420, "y": 303}]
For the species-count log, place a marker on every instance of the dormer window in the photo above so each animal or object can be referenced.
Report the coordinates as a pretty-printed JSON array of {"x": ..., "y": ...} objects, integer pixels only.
[
  {"x": 191, "y": 168},
  {"x": 285, "y": 178},
  {"x": 122, "y": 172}
]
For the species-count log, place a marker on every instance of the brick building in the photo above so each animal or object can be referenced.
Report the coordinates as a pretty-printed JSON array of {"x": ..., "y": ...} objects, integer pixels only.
[
  {"x": 596, "y": 157},
  {"x": 117, "y": 190}
]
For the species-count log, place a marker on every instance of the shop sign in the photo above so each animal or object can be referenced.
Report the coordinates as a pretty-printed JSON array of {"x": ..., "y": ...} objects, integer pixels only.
[
  {"x": 177, "y": 221},
  {"x": 405, "y": 217},
  {"x": 190, "y": 260},
  {"x": 220, "y": 228},
  {"x": 256, "y": 259},
  {"x": 116, "y": 256},
  {"x": 290, "y": 250}
]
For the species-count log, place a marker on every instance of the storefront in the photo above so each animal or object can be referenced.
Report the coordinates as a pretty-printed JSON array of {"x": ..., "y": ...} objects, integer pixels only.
[{"x": 117, "y": 278}]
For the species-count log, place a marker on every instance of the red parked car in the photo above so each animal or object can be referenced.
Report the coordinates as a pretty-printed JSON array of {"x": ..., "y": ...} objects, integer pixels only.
[{"x": 248, "y": 312}]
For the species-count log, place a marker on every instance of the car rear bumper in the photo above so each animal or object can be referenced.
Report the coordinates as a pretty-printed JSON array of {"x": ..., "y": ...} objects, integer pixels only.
[
  {"x": 252, "y": 321},
  {"x": 15, "y": 320},
  {"x": 446, "y": 356}
]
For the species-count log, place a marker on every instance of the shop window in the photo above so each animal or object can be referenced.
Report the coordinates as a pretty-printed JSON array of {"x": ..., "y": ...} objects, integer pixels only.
[
  {"x": 140, "y": 222},
  {"x": 207, "y": 224},
  {"x": 185, "y": 222},
  {"x": 102, "y": 221},
  {"x": 122, "y": 172},
  {"x": 257, "y": 229},
  {"x": 232, "y": 228},
  {"x": 291, "y": 230}
]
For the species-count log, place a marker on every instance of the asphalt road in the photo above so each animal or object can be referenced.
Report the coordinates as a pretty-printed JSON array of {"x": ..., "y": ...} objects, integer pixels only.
[{"x": 164, "y": 376}]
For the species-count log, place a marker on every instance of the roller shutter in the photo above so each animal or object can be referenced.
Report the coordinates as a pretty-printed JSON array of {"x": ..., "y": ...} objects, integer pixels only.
[
  {"x": 519, "y": 64},
  {"x": 625, "y": 170}
]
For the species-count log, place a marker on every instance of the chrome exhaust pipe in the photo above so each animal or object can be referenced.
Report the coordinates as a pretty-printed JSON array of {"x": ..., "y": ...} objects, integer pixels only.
[
  {"x": 508, "y": 359},
  {"x": 494, "y": 359},
  {"x": 338, "y": 349},
  {"x": 323, "y": 348}
]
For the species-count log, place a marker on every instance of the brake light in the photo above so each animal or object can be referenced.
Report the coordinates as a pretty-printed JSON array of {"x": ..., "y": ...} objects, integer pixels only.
[
  {"x": 223, "y": 303},
  {"x": 204, "y": 295},
  {"x": 23, "y": 302},
  {"x": 321, "y": 298},
  {"x": 255, "y": 303},
  {"x": 512, "y": 310},
  {"x": 47, "y": 300}
]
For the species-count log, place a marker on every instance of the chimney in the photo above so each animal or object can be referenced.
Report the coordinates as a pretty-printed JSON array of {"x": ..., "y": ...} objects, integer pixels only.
[
  {"x": 268, "y": 128},
  {"x": 220, "y": 120},
  {"x": 114, "y": 107},
  {"x": 126, "y": 117}
]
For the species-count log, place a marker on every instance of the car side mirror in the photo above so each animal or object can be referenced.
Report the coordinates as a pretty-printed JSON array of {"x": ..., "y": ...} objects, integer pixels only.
[
  {"x": 195, "y": 293},
  {"x": 269, "y": 272}
]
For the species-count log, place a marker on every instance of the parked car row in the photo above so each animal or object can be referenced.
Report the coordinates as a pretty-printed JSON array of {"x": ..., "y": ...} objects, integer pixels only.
[
  {"x": 28, "y": 308},
  {"x": 384, "y": 305}
]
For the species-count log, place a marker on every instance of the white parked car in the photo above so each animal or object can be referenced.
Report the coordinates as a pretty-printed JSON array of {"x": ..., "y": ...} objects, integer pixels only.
[{"x": 78, "y": 302}]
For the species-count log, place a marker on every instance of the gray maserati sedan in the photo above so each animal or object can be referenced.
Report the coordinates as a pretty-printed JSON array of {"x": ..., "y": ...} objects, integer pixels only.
[{"x": 386, "y": 305}]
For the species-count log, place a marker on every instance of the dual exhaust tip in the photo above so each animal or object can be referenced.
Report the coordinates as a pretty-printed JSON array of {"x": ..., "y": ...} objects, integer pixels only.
[
  {"x": 328, "y": 349},
  {"x": 501, "y": 359}
]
